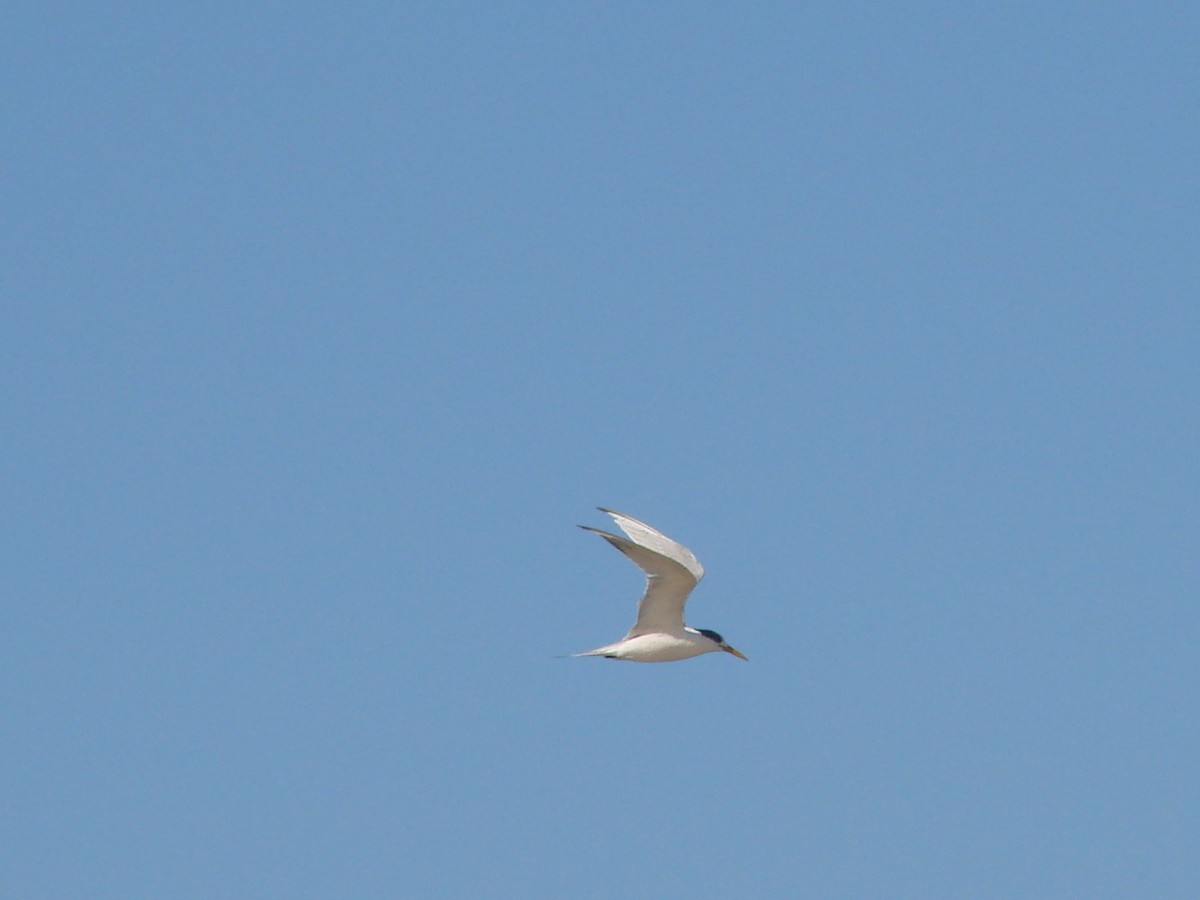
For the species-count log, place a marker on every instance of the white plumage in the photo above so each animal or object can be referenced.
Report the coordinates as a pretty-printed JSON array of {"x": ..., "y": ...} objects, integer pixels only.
[{"x": 672, "y": 570}]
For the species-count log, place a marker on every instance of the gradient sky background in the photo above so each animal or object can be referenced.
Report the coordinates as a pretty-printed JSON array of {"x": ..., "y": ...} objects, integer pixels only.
[{"x": 326, "y": 324}]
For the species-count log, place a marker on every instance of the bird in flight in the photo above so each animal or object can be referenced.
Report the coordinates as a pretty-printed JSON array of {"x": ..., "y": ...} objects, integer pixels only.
[{"x": 672, "y": 570}]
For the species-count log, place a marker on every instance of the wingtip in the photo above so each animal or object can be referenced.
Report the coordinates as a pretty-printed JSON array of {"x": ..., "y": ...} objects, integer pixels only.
[{"x": 604, "y": 534}]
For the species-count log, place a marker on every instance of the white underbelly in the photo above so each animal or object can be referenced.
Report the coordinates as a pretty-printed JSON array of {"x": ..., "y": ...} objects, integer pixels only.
[{"x": 661, "y": 647}]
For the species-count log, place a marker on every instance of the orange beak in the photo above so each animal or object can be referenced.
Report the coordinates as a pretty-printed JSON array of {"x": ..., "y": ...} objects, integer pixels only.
[{"x": 738, "y": 653}]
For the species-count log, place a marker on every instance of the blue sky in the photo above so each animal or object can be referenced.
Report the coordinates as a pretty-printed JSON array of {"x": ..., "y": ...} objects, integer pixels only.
[{"x": 327, "y": 324}]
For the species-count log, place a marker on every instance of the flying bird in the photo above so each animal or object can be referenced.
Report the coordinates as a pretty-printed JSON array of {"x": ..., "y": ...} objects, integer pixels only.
[{"x": 672, "y": 570}]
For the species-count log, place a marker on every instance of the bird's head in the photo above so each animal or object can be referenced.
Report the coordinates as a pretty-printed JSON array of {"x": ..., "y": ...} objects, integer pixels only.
[{"x": 720, "y": 642}]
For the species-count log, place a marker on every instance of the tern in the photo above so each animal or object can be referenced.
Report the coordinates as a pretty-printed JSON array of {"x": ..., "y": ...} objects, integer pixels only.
[{"x": 672, "y": 570}]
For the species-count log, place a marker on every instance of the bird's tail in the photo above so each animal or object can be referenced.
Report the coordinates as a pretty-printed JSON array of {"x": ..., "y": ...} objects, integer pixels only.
[{"x": 607, "y": 650}]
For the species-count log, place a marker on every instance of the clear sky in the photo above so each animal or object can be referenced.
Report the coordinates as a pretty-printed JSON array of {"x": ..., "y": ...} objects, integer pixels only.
[{"x": 325, "y": 324}]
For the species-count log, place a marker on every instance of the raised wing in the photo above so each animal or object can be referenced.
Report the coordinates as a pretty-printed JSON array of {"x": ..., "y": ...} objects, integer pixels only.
[
  {"x": 653, "y": 539},
  {"x": 671, "y": 573}
]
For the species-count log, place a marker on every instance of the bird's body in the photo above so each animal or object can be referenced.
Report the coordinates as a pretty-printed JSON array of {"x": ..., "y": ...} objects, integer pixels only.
[
  {"x": 672, "y": 570},
  {"x": 659, "y": 646}
]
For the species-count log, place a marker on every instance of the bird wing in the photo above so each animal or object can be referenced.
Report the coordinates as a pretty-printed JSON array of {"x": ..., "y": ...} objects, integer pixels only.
[
  {"x": 669, "y": 580},
  {"x": 653, "y": 539}
]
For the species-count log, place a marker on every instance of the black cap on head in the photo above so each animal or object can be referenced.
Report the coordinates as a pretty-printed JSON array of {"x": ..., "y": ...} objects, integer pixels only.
[{"x": 711, "y": 635}]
